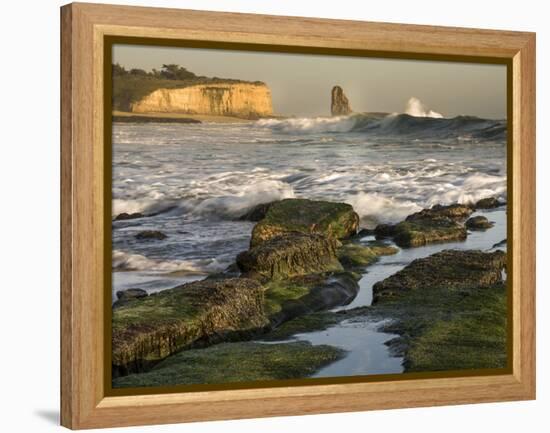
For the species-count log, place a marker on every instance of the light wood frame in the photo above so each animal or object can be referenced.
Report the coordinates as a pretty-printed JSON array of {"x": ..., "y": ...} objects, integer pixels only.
[{"x": 83, "y": 226}]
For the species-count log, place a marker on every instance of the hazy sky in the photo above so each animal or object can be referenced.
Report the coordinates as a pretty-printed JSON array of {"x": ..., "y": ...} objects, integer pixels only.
[{"x": 301, "y": 83}]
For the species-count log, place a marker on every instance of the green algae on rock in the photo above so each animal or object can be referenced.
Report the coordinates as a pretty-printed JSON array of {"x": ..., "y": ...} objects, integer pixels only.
[
  {"x": 294, "y": 297},
  {"x": 289, "y": 255},
  {"x": 334, "y": 220},
  {"x": 453, "y": 269},
  {"x": 453, "y": 211},
  {"x": 449, "y": 310},
  {"x": 354, "y": 256},
  {"x": 449, "y": 329},
  {"x": 437, "y": 224},
  {"x": 472, "y": 338},
  {"x": 149, "y": 329},
  {"x": 421, "y": 232},
  {"x": 313, "y": 322},
  {"x": 234, "y": 363}
]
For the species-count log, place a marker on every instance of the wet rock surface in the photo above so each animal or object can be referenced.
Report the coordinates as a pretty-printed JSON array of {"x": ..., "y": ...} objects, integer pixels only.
[
  {"x": 479, "y": 223},
  {"x": 128, "y": 216},
  {"x": 151, "y": 235},
  {"x": 333, "y": 220},
  {"x": 289, "y": 255},
  {"x": 452, "y": 269},
  {"x": 236, "y": 362},
  {"x": 437, "y": 224},
  {"x": 489, "y": 203},
  {"x": 146, "y": 330}
]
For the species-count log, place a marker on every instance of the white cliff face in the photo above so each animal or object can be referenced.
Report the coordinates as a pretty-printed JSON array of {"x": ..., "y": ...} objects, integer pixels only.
[{"x": 224, "y": 99}]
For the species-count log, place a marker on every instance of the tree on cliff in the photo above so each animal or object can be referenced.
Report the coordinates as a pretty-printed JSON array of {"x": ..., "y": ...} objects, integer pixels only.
[{"x": 176, "y": 72}]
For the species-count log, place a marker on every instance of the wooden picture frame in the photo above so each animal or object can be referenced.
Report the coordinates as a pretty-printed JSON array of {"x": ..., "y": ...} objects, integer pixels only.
[{"x": 85, "y": 225}]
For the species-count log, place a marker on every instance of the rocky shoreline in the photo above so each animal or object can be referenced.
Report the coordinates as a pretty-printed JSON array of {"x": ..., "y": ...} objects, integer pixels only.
[{"x": 304, "y": 259}]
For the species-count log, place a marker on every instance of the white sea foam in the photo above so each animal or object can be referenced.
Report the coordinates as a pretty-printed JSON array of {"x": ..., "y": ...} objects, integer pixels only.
[
  {"x": 250, "y": 195},
  {"x": 310, "y": 124},
  {"x": 381, "y": 207},
  {"x": 124, "y": 261},
  {"x": 416, "y": 108}
]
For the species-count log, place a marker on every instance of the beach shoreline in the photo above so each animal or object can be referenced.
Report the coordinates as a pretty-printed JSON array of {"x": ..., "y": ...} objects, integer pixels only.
[{"x": 129, "y": 117}]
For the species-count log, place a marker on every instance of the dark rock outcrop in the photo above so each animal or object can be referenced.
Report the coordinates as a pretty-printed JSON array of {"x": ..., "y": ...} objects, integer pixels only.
[
  {"x": 333, "y": 220},
  {"x": 149, "y": 329},
  {"x": 479, "y": 223},
  {"x": 128, "y": 216},
  {"x": 451, "y": 269},
  {"x": 489, "y": 203},
  {"x": 257, "y": 213},
  {"x": 437, "y": 224},
  {"x": 295, "y": 297},
  {"x": 289, "y": 255},
  {"x": 453, "y": 211},
  {"x": 126, "y": 295},
  {"x": 339, "y": 104},
  {"x": 151, "y": 235}
]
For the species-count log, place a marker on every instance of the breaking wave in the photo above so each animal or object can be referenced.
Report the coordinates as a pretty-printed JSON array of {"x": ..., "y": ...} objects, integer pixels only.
[
  {"x": 422, "y": 123},
  {"x": 417, "y": 109},
  {"x": 124, "y": 261},
  {"x": 229, "y": 201}
]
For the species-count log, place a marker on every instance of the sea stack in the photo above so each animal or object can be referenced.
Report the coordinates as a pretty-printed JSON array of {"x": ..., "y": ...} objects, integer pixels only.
[{"x": 339, "y": 105}]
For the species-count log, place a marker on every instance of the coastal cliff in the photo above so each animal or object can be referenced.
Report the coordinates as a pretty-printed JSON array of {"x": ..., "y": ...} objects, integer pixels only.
[{"x": 247, "y": 100}]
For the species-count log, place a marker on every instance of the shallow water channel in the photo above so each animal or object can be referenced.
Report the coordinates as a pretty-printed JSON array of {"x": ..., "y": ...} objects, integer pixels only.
[{"x": 360, "y": 337}]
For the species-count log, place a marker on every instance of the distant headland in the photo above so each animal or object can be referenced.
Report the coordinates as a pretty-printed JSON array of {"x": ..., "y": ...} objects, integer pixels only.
[{"x": 176, "y": 93}]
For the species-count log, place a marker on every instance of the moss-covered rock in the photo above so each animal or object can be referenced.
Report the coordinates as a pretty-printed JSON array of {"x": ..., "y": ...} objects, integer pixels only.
[
  {"x": 124, "y": 296},
  {"x": 454, "y": 211},
  {"x": 446, "y": 329},
  {"x": 289, "y": 255},
  {"x": 473, "y": 337},
  {"x": 449, "y": 310},
  {"x": 288, "y": 299},
  {"x": 437, "y": 224},
  {"x": 479, "y": 223},
  {"x": 149, "y": 329},
  {"x": 234, "y": 363},
  {"x": 257, "y": 213},
  {"x": 313, "y": 322},
  {"x": 333, "y": 220},
  {"x": 425, "y": 231},
  {"x": 452, "y": 269},
  {"x": 356, "y": 256}
]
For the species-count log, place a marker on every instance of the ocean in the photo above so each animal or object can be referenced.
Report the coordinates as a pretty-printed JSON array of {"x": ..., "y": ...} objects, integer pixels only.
[{"x": 193, "y": 181}]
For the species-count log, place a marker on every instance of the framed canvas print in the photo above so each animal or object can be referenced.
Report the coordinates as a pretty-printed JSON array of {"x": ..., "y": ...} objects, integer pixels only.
[{"x": 272, "y": 216}]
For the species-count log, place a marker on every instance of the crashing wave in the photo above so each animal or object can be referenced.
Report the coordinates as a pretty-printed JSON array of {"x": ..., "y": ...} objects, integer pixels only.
[
  {"x": 125, "y": 261},
  {"x": 376, "y": 125},
  {"x": 417, "y": 109}
]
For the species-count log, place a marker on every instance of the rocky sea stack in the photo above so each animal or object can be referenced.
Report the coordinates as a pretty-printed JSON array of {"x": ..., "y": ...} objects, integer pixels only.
[{"x": 339, "y": 105}]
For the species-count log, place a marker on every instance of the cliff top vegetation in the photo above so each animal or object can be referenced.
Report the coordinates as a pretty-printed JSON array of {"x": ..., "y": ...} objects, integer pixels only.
[{"x": 132, "y": 85}]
